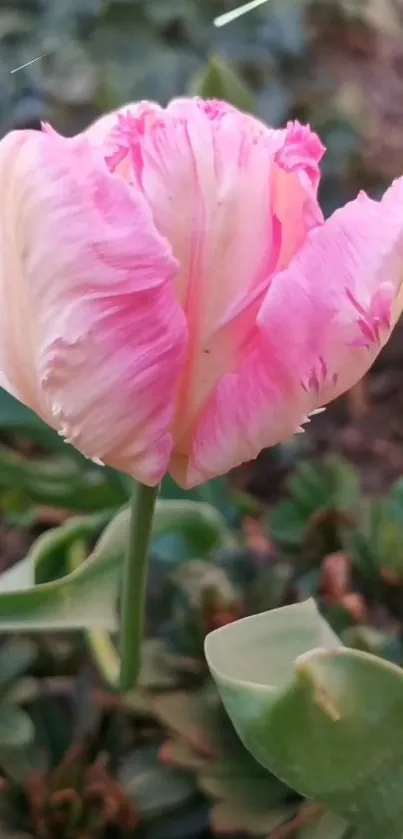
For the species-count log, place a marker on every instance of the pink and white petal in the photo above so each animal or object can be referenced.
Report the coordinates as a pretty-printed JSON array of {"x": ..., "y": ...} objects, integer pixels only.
[
  {"x": 323, "y": 321},
  {"x": 100, "y": 130},
  {"x": 219, "y": 169},
  {"x": 296, "y": 179},
  {"x": 113, "y": 134},
  {"x": 233, "y": 197},
  {"x": 18, "y": 327},
  {"x": 250, "y": 409},
  {"x": 341, "y": 296},
  {"x": 92, "y": 336}
]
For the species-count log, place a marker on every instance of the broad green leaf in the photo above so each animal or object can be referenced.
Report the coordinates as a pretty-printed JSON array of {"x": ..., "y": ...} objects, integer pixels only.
[
  {"x": 86, "y": 598},
  {"x": 19, "y": 576},
  {"x": 80, "y": 600},
  {"x": 325, "y": 719},
  {"x": 200, "y": 524},
  {"x": 60, "y": 550}
]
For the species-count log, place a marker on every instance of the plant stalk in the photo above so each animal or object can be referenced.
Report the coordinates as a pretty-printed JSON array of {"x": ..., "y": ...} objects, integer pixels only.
[{"x": 134, "y": 584}]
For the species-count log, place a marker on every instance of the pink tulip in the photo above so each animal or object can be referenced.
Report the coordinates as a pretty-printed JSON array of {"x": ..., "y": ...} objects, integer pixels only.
[{"x": 171, "y": 296}]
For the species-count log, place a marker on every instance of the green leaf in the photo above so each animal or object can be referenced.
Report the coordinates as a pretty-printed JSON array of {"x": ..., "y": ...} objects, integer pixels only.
[
  {"x": 219, "y": 80},
  {"x": 15, "y": 658},
  {"x": 215, "y": 492},
  {"x": 325, "y": 719},
  {"x": 15, "y": 417},
  {"x": 134, "y": 62},
  {"x": 376, "y": 544},
  {"x": 323, "y": 500},
  {"x": 200, "y": 527},
  {"x": 82, "y": 599},
  {"x": 19, "y": 576},
  {"x": 153, "y": 787},
  {"x": 288, "y": 525},
  {"x": 87, "y": 597},
  {"x": 62, "y": 482},
  {"x": 60, "y": 550},
  {"x": 16, "y": 728}
]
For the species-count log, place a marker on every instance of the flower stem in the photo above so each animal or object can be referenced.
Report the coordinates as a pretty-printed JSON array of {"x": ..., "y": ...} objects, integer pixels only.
[{"x": 134, "y": 584}]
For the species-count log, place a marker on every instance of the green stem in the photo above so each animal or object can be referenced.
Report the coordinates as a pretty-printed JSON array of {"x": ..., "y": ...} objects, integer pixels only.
[{"x": 134, "y": 584}]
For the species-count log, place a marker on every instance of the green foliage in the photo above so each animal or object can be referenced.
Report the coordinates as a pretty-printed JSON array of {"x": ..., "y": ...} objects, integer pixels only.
[
  {"x": 176, "y": 691},
  {"x": 377, "y": 543},
  {"x": 287, "y": 683},
  {"x": 67, "y": 782},
  {"x": 58, "y": 476},
  {"x": 244, "y": 798},
  {"x": 16, "y": 729},
  {"x": 102, "y": 54},
  {"x": 218, "y": 80},
  {"x": 76, "y": 588},
  {"x": 99, "y": 54},
  {"x": 202, "y": 577},
  {"x": 61, "y": 482},
  {"x": 322, "y": 501},
  {"x": 216, "y": 492},
  {"x": 185, "y": 601},
  {"x": 16, "y": 419}
]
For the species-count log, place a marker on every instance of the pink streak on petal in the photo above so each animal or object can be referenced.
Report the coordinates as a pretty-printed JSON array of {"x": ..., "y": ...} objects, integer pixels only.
[
  {"x": 94, "y": 339},
  {"x": 231, "y": 213},
  {"x": 300, "y": 354}
]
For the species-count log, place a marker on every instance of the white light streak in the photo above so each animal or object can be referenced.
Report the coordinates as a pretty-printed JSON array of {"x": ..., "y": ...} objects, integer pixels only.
[
  {"x": 228, "y": 17},
  {"x": 21, "y": 67}
]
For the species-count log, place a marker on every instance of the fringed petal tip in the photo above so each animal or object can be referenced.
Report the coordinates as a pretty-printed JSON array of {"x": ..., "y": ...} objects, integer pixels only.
[
  {"x": 323, "y": 321},
  {"x": 302, "y": 152}
]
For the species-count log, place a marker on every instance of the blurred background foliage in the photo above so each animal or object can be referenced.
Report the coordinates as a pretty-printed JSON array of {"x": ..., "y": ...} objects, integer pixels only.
[
  {"x": 322, "y": 515},
  {"x": 335, "y": 63}
]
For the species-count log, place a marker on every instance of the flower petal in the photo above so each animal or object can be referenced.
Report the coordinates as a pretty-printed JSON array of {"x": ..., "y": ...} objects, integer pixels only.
[
  {"x": 235, "y": 199},
  {"x": 323, "y": 321},
  {"x": 92, "y": 337}
]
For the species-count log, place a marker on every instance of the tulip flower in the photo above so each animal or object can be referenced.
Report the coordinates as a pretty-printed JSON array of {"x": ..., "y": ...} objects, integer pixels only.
[{"x": 172, "y": 298}]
